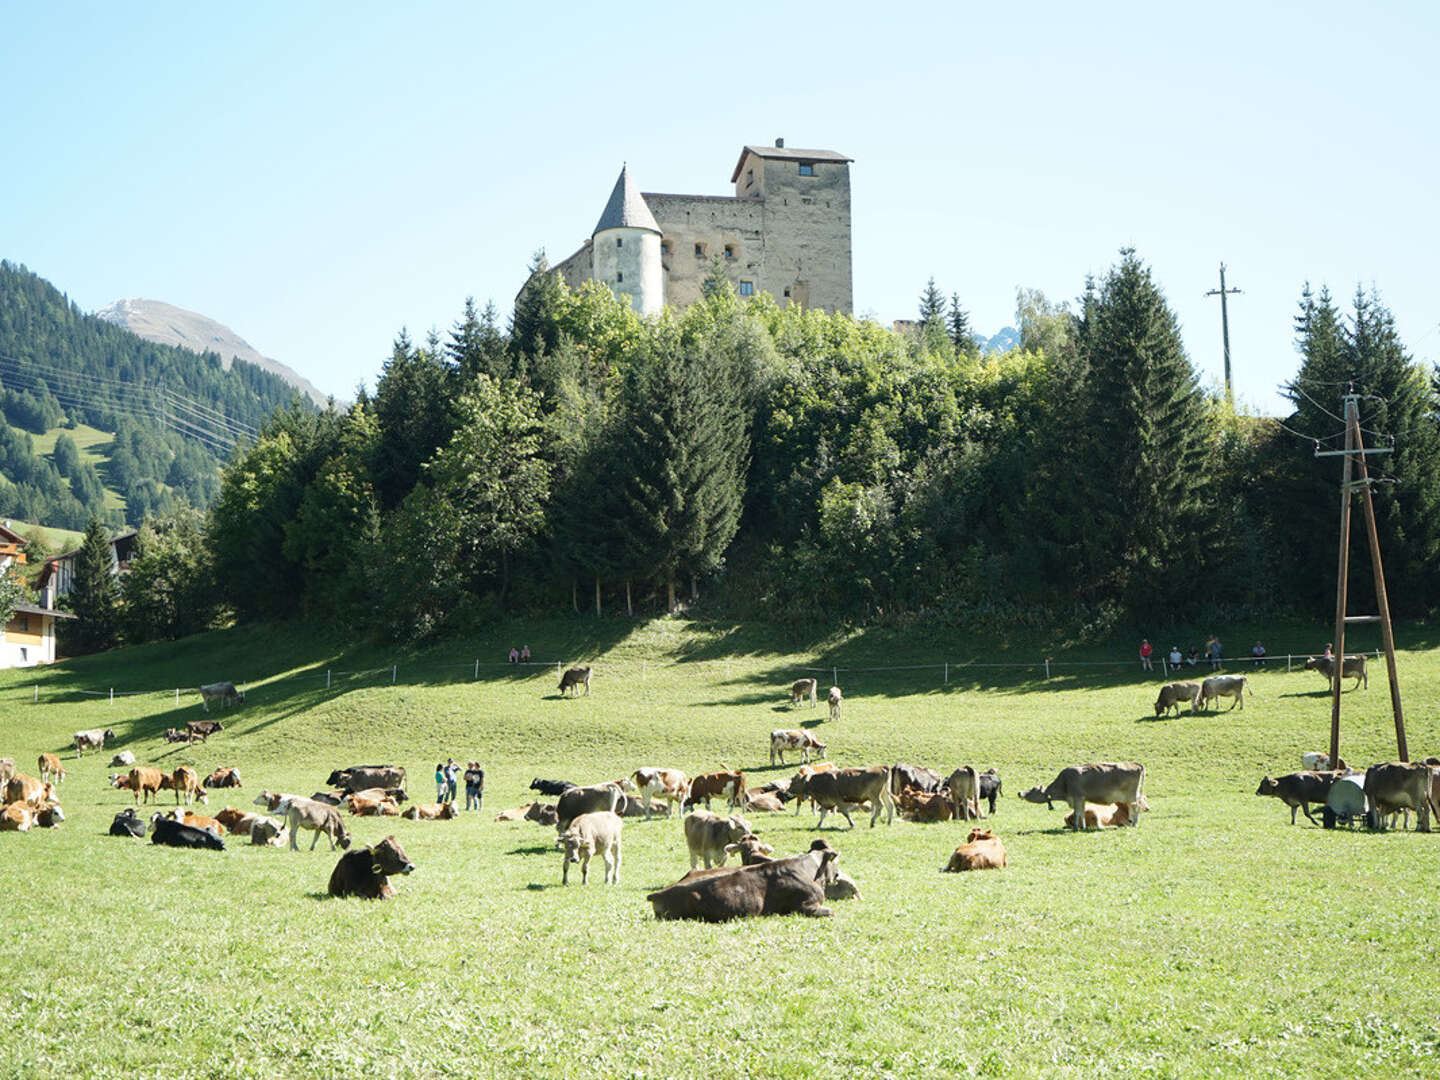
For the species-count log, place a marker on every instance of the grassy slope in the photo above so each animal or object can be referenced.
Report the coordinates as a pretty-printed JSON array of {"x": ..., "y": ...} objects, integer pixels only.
[
  {"x": 94, "y": 446},
  {"x": 1214, "y": 940}
]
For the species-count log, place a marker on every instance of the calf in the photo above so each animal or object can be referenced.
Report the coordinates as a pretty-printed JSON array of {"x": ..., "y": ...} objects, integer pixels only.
[
  {"x": 552, "y": 788},
  {"x": 17, "y": 817},
  {"x": 781, "y": 741},
  {"x": 1298, "y": 790},
  {"x": 50, "y": 768},
  {"x": 93, "y": 739},
  {"x": 239, "y": 822},
  {"x": 575, "y": 678},
  {"x": 990, "y": 787},
  {"x": 763, "y": 802},
  {"x": 518, "y": 814},
  {"x": 1315, "y": 761},
  {"x": 1102, "y": 816},
  {"x": 729, "y": 785},
  {"x": 542, "y": 814},
  {"x": 369, "y": 805},
  {"x": 964, "y": 784},
  {"x": 596, "y": 833},
  {"x": 982, "y": 851},
  {"x": 128, "y": 823},
  {"x": 781, "y": 887},
  {"x": 174, "y": 735},
  {"x": 800, "y": 689},
  {"x": 200, "y": 821},
  {"x": 431, "y": 812},
  {"x": 269, "y": 832},
  {"x": 924, "y": 805},
  {"x": 28, "y": 790},
  {"x": 172, "y": 833},
  {"x": 836, "y": 699},
  {"x": 202, "y": 729},
  {"x": 707, "y": 836},
  {"x": 224, "y": 778},
  {"x": 365, "y": 872},
  {"x": 319, "y": 819}
]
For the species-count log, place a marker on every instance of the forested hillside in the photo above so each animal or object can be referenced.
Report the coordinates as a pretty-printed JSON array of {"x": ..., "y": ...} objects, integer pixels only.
[
  {"x": 171, "y": 415},
  {"x": 797, "y": 465}
]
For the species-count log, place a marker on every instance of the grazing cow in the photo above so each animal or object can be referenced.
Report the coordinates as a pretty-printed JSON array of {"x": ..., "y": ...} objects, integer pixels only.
[
  {"x": 268, "y": 832},
  {"x": 28, "y": 790},
  {"x": 763, "y": 802},
  {"x": 50, "y": 768},
  {"x": 361, "y": 777},
  {"x": 365, "y": 872},
  {"x": 1352, "y": 668},
  {"x": 668, "y": 785},
  {"x": 1172, "y": 694},
  {"x": 124, "y": 757},
  {"x": 223, "y": 692},
  {"x": 924, "y": 805},
  {"x": 781, "y": 887},
  {"x": 836, "y": 699},
  {"x": 990, "y": 787},
  {"x": 781, "y": 741},
  {"x": 318, "y": 818},
  {"x": 552, "y": 788},
  {"x": 173, "y": 735},
  {"x": 366, "y": 804},
  {"x": 964, "y": 785},
  {"x": 1315, "y": 761},
  {"x": 16, "y": 817},
  {"x": 202, "y": 729},
  {"x": 575, "y": 678},
  {"x": 914, "y": 777},
  {"x": 982, "y": 851},
  {"x": 1298, "y": 790},
  {"x": 1218, "y": 686},
  {"x": 186, "y": 782},
  {"x": 589, "y": 835},
  {"x": 728, "y": 784},
  {"x": 94, "y": 739},
  {"x": 128, "y": 823},
  {"x": 144, "y": 783},
  {"x": 542, "y": 814},
  {"x": 707, "y": 835},
  {"x": 7, "y": 768},
  {"x": 225, "y": 777},
  {"x": 431, "y": 812},
  {"x": 168, "y": 831},
  {"x": 587, "y": 800},
  {"x": 1103, "y": 816},
  {"x": 800, "y": 689},
  {"x": 1400, "y": 785},
  {"x": 1098, "y": 782},
  {"x": 845, "y": 789}
]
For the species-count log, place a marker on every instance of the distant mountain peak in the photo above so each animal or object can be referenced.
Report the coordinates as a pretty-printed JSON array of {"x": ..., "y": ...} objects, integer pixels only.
[{"x": 166, "y": 324}]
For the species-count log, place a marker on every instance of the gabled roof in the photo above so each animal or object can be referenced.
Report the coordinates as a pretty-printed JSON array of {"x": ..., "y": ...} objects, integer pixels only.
[
  {"x": 626, "y": 208},
  {"x": 785, "y": 153},
  {"x": 35, "y": 609}
]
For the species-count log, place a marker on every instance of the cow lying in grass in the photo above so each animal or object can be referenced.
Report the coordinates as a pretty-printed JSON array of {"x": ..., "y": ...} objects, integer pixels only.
[
  {"x": 781, "y": 887},
  {"x": 365, "y": 872},
  {"x": 982, "y": 851}
]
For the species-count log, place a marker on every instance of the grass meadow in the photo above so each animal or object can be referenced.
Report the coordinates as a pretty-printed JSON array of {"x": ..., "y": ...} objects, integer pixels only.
[{"x": 1215, "y": 940}]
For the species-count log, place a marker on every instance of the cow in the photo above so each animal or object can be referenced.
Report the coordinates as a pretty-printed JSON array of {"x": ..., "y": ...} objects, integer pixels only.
[
  {"x": 318, "y": 818},
  {"x": 93, "y": 739},
  {"x": 1097, "y": 782},
  {"x": 125, "y": 757},
  {"x": 964, "y": 785},
  {"x": 800, "y": 689},
  {"x": 7, "y": 768},
  {"x": 50, "y": 816},
  {"x": 982, "y": 851},
  {"x": 1218, "y": 686},
  {"x": 1103, "y": 816},
  {"x": 50, "y": 768},
  {"x": 276, "y": 802},
  {"x": 431, "y": 812},
  {"x": 1298, "y": 790},
  {"x": 365, "y": 872},
  {"x": 924, "y": 805},
  {"x": 836, "y": 700},
  {"x": 518, "y": 814},
  {"x": 781, "y": 887},
  {"x": 224, "y": 777},
  {"x": 707, "y": 834},
  {"x": 1399, "y": 785},
  {"x": 172, "y": 833},
  {"x": 807, "y": 770},
  {"x": 128, "y": 823},
  {"x": 763, "y": 802},
  {"x": 1352, "y": 668},
  {"x": 586, "y": 800},
  {"x": 268, "y": 832},
  {"x": 223, "y": 692},
  {"x": 542, "y": 814},
  {"x": 174, "y": 735},
  {"x": 201, "y": 729},
  {"x": 1172, "y": 694},
  {"x": 552, "y": 788},
  {"x": 201, "y": 821},
  {"x": 144, "y": 783},
  {"x": 575, "y": 678},
  {"x": 846, "y": 789},
  {"x": 330, "y": 798},
  {"x": 632, "y": 808},
  {"x": 914, "y": 777},
  {"x": 1315, "y": 761},
  {"x": 372, "y": 804},
  {"x": 781, "y": 741},
  {"x": 28, "y": 790},
  {"x": 668, "y": 785},
  {"x": 596, "y": 833},
  {"x": 17, "y": 817},
  {"x": 239, "y": 822},
  {"x": 186, "y": 782},
  {"x": 360, "y": 777},
  {"x": 728, "y": 784},
  {"x": 990, "y": 787}
]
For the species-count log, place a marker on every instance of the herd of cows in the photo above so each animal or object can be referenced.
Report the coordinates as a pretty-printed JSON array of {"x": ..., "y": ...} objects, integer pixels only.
[{"x": 589, "y": 820}]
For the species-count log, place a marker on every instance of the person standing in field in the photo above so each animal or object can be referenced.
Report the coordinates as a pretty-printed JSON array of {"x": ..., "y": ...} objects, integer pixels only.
[
  {"x": 1213, "y": 650},
  {"x": 452, "y": 776},
  {"x": 474, "y": 786},
  {"x": 1145, "y": 651},
  {"x": 440, "y": 785}
]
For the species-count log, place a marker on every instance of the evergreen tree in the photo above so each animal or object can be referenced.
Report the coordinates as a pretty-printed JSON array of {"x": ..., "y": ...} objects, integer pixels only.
[
  {"x": 961, "y": 336},
  {"x": 534, "y": 326},
  {"x": 94, "y": 595},
  {"x": 476, "y": 344},
  {"x": 412, "y": 410},
  {"x": 169, "y": 589},
  {"x": 12, "y": 592},
  {"x": 933, "y": 333}
]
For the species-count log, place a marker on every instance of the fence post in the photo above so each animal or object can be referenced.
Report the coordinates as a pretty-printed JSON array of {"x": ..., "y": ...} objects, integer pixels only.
[
  {"x": 477, "y": 668},
  {"x": 112, "y": 695},
  {"x": 834, "y": 676},
  {"x": 177, "y": 697},
  {"x": 1287, "y": 663},
  {"x": 1164, "y": 666},
  {"x": 37, "y": 693},
  {"x": 1047, "y": 667},
  {"x": 394, "y": 668},
  {"x": 327, "y": 678},
  {"x": 947, "y": 673}
]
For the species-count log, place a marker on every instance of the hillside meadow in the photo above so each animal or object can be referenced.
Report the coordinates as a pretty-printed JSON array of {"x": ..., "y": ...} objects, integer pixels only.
[{"x": 1215, "y": 940}]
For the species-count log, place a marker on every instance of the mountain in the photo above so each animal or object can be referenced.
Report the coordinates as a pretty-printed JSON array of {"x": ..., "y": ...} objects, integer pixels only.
[
  {"x": 166, "y": 324},
  {"x": 1005, "y": 340}
]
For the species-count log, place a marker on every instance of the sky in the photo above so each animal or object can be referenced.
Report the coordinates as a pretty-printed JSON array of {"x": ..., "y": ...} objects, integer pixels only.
[{"x": 317, "y": 176}]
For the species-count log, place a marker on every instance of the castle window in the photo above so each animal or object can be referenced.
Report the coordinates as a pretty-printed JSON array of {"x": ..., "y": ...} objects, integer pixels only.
[
  {"x": 699, "y": 251},
  {"x": 747, "y": 288},
  {"x": 665, "y": 248},
  {"x": 620, "y": 275},
  {"x": 619, "y": 241},
  {"x": 787, "y": 292},
  {"x": 807, "y": 168},
  {"x": 729, "y": 251}
]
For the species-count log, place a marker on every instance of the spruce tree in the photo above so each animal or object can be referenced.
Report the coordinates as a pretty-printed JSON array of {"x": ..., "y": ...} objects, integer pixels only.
[
  {"x": 535, "y": 325},
  {"x": 934, "y": 335},
  {"x": 961, "y": 336},
  {"x": 412, "y": 410},
  {"x": 94, "y": 594}
]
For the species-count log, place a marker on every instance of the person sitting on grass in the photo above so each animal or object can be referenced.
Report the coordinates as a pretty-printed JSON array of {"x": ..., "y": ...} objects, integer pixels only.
[{"x": 1258, "y": 652}]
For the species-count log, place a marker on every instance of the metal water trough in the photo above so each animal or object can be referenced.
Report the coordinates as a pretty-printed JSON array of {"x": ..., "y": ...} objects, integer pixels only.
[{"x": 1346, "y": 802}]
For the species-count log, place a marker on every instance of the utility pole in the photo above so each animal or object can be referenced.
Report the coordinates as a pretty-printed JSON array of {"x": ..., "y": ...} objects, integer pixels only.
[{"x": 1222, "y": 292}]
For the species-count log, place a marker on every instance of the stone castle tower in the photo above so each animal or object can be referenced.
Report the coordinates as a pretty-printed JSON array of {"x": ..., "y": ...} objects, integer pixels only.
[{"x": 785, "y": 231}]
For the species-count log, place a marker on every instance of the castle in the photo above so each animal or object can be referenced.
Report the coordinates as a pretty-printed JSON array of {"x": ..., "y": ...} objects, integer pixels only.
[{"x": 785, "y": 231}]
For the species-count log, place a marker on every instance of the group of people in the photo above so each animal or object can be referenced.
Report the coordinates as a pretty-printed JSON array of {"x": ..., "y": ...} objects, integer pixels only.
[
  {"x": 519, "y": 656},
  {"x": 1213, "y": 654},
  {"x": 447, "y": 777}
]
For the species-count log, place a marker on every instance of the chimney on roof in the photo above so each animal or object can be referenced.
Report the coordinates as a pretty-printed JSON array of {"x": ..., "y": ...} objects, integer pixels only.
[{"x": 779, "y": 144}]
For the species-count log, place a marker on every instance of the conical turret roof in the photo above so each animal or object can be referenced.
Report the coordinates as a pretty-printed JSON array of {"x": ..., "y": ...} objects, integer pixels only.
[{"x": 626, "y": 208}]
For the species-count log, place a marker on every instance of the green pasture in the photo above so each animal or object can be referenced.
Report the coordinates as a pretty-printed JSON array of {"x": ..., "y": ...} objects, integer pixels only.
[{"x": 1215, "y": 940}]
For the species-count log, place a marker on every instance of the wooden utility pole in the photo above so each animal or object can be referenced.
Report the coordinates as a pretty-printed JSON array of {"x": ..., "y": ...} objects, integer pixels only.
[
  {"x": 1222, "y": 292},
  {"x": 1355, "y": 452}
]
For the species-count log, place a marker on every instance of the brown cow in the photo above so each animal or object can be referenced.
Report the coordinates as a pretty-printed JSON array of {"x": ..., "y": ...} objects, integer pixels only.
[
  {"x": 924, "y": 805},
  {"x": 729, "y": 785},
  {"x": 1097, "y": 782},
  {"x": 17, "y": 817},
  {"x": 224, "y": 777},
  {"x": 1399, "y": 785},
  {"x": 186, "y": 782},
  {"x": 431, "y": 811},
  {"x": 808, "y": 770},
  {"x": 589, "y": 835},
  {"x": 1103, "y": 815},
  {"x": 239, "y": 822},
  {"x": 982, "y": 851},
  {"x": 1175, "y": 693},
  {"x": 28, "y": 790},
  {"x": 144, "y": 783},
  {"x": 964, "y": 785},
  {"x": 372, "y": 803},
  {"x": 200, "y": 821},
  {"x": 575, "y": 678},
  {"x": 50, "y": 768},
  {"x": 846, "y": 789},
  {"x": 763, "y": 802},
  {"x": 365, "y": 872},
  {"x": 781, "y": 887},
  {"x": 518, "y": 814}
]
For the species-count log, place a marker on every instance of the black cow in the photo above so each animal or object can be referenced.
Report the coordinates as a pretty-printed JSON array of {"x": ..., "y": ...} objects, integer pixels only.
[
  {"x": 1297, "y": 790},
  {"x": 914, "y": 776},
  {"x": 202, "y": 729},
  {"x": 990, "y": 787},
  {"x": 170, "y": 832},
  {"x": 781, "y": 887},
  {"x": 552, "y": 788},
  {"x": 128, "y": 823},
  {"x": 365, "y": 872}
]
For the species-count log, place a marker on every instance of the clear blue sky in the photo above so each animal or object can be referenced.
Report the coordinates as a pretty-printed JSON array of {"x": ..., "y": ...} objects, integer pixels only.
[{"x": 318, "y": 175}]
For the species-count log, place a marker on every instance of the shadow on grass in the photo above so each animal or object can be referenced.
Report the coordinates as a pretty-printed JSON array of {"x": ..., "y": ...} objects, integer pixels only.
[
  {"x": 319, "y": 896},
  {"x": 534, "y": 849}
]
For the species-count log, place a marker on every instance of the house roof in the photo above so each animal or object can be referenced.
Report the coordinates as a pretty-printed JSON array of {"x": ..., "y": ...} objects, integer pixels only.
[
  {"x": 9, "y": 535},
  {"x": 785, "y": 153},
  {"x": 626, "y": 208},
  {"x": 33, "y": 609}
]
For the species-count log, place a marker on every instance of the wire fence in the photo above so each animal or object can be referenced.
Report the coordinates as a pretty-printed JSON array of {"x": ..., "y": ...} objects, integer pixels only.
[{"x": 419, "y": 674}]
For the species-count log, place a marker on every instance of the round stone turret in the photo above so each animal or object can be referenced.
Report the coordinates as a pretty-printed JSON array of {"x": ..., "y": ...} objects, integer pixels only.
[{"x": 626, "y": 249}]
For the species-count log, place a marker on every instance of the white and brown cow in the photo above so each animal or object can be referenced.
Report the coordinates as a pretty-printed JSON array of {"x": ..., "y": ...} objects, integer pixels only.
[
  {"x": 670, "y": 786},
  {"x": 727, "y": 784},
  {"x": 803, "y": 741}
]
